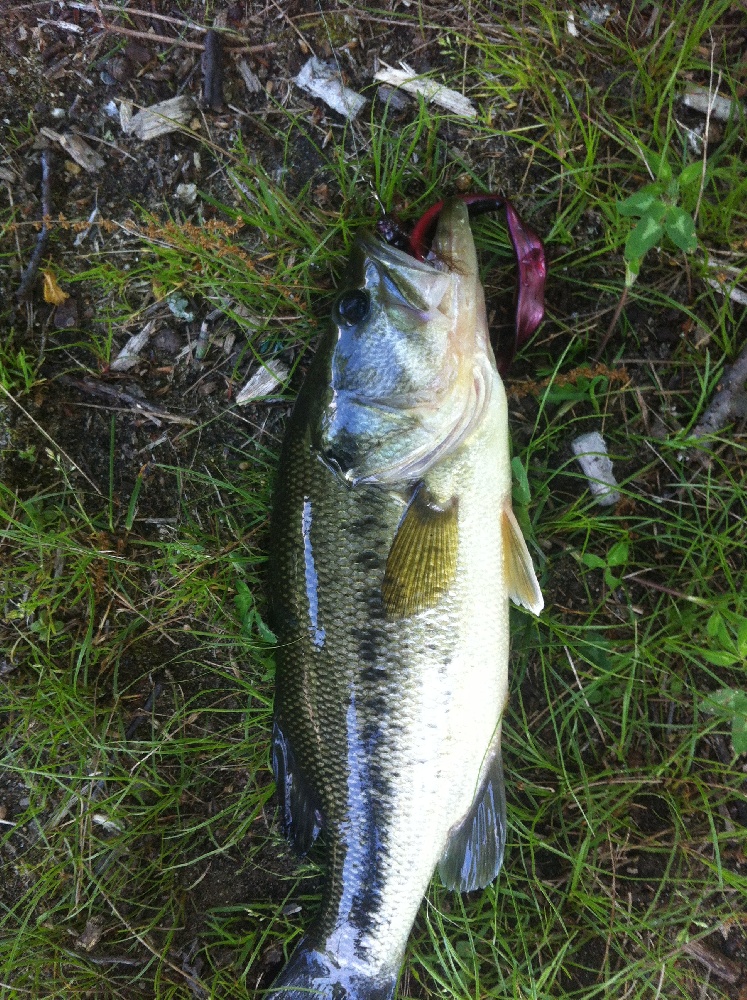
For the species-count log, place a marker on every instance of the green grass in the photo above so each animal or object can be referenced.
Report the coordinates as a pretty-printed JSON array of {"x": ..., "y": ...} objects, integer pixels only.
[{"x": 137, "y": 667}]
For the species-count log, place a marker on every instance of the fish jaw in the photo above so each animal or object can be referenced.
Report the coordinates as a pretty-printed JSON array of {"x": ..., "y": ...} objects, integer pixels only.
[{"x": 408, "y": 364}]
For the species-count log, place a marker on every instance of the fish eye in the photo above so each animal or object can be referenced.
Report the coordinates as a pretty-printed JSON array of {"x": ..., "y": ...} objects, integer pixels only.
[{"x": 353, "y": 307}]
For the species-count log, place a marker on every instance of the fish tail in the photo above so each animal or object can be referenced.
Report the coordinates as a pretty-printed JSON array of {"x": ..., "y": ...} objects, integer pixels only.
[{"x": 314, "y": 975}]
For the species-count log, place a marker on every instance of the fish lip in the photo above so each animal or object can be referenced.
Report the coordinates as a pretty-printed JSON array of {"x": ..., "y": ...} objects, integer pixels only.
[{"x": 384, "y": 253}]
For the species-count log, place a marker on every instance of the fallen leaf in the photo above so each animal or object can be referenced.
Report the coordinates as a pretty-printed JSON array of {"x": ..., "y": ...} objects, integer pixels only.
[{"x": 52, "y": 291}]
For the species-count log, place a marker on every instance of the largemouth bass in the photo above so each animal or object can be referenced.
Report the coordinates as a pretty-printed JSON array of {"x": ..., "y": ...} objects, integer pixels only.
[{"x": 395, "y": 552}]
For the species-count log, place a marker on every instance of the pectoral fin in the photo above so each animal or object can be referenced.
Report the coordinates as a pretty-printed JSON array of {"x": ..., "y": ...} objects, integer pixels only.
[
  {"x": 421, "y": 565},
  {"x": 474, "y": 853},
  {"x": 521, "y": 580}
]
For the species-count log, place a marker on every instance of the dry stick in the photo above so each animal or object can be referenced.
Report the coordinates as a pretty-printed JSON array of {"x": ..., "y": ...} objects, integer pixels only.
[
  {"x": 613, "y": 323},
  {"x": 721, "y": 966},
  {"x": 114, "y": 29},
  {"x": 132, "y": 12},
  {"x": 129, "y": 403},
  {"x": 29, "y": 275}
]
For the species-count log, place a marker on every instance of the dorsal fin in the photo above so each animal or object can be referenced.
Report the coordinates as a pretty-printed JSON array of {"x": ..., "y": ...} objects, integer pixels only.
[{"x": 421, "y": 565}]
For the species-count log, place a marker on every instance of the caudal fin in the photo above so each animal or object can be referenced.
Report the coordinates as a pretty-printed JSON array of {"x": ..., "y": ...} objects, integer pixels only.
[{"x": 314, "y": 975}]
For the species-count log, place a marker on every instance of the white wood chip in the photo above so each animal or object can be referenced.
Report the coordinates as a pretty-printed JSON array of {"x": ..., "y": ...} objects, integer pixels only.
[
  {"x": 252, "y": 81},
  {"x": 158, "y": 119},
  {"x": 591, "y": 454},
  {"x": 262, "y": 382},
  {"x": 125, "y": 116},
  {"x": 701, "y": 98},
  {"x": 407, "y": 79},
  {"x": 76, "y": 149},
  {"x": 129, "y": 356},
  {"x": 324, "y": 82}
]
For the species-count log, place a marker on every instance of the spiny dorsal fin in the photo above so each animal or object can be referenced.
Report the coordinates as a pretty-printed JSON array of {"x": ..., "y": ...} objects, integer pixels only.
[
  {"x": 422, "y": 561},
  {"x": 521, "y": 581},
  {"x": 474, "y": 852}
]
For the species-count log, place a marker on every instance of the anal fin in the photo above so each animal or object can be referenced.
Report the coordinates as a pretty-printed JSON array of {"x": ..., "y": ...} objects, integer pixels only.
[
  {"x": 474, "y": 852},
  {"x": 301, "y": 818},
  {"x": 521, "y": 580}
]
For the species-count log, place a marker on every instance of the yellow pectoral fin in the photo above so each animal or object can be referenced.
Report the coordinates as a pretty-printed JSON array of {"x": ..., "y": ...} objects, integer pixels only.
[
  {"x": 422, "y": 561},
  {"x": 521, "y": 580}
]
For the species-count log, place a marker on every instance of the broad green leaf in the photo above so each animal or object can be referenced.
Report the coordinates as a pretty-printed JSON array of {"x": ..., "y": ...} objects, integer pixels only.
[
  {"x": 692, "y": 173},
  {"x": 243, "y": 601},
  {"x": 521, "y": 492},
  {"x": 739, "y": 733},
  {"x": 713, "y": 624},
  {"x": 681, "y": 229},
  {"x": 644, "y": 236},
  {"x": 611, "y": 580},
  {"x": 661, "y": 168},
  {"x": 593, "y": 561},
  {"x": 731, "y": 704},
  {"x": 618, "y": 554},
  {"x": 642, "y": 201},
  {"x": 742, "y": 638},
  {"x": 729, "y": 701}
]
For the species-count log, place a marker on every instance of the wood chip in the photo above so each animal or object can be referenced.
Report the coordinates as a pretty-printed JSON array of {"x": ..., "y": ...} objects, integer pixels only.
[
  {"x": 323, "y": 81},
  {"x": 76, "y": 149},
  {"x": 91, "y": 935},
  {"x": 702, "y": 99},
  {"x": 157, "y": 120},
  {"x": 591, "y": 454},
  {"x": 129, "y": 356},
  {"x": 263, "y": 382},
  {"x": 718, "y": 963},
  {"x": 251, "y": 80},
  {"x": 407, "y": 79}
]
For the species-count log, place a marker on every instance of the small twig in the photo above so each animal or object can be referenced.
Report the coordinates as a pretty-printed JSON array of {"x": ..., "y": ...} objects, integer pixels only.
[
  {"x": 719, "y": 965},
  {"x": 29, "y": 275},
  {"x": 115, "y": 29},
  {"x": 664, "y": 590},
  {"x": 613, "y": 323},
  {"x": 142, "y": 714},
  {"x": 132, "y": 403}
]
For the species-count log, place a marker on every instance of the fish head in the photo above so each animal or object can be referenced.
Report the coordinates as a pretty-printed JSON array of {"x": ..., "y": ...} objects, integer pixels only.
[{"x": 408, "y": 358}]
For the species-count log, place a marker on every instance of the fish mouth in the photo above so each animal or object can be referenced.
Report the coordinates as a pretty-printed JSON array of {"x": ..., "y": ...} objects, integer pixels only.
[{"x": 420, "y": 284}]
